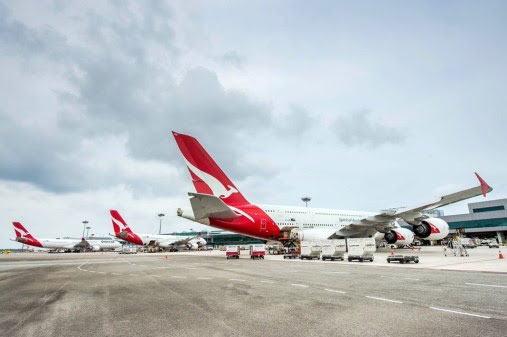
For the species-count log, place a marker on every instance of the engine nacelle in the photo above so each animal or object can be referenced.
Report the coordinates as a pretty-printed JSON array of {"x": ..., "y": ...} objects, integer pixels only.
[
  {"x": 196, "y": 243},
  {"x": 431, "y": 229},
  {"x": 399, "y": 236},
  {"x": 95, "y": 248}
]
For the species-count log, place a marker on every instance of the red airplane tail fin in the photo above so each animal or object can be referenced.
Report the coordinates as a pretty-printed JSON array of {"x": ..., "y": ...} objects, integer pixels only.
[
  {"x": 206, "y": 175},
  {"x": 119, "y": 225},
  {"x": 21, "y": 231}
]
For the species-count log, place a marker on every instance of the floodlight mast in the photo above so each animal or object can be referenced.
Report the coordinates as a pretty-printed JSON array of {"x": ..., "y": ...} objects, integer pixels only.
[
  {"x": 160, "y": 215},
  {"x": 85, "y": 222},
  {"x": 306, "y": 200}
]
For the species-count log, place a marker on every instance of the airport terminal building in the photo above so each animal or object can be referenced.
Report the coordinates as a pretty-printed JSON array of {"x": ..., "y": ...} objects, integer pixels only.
[{"x": 484, "y": 219}]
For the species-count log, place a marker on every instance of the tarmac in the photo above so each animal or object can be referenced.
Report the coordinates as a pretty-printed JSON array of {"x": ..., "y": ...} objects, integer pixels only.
[{"x": 203, "y": 294}]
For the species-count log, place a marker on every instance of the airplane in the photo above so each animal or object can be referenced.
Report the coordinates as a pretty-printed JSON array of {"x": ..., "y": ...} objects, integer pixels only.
[
  {"x": 123, "y": 231},
  {"x": 217, "y": 202},
  {"x": 105, "y": 243},
  {"x": 95, "y": 244}
]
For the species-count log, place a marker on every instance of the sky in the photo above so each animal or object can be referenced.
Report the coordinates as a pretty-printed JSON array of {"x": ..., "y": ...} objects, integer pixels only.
[{"x": 362, "y": 105}]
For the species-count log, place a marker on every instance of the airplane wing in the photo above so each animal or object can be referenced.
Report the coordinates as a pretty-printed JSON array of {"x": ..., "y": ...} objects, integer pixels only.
[
  {"x": 386, "y": 218},
  {"x": 210, "y": 206}
]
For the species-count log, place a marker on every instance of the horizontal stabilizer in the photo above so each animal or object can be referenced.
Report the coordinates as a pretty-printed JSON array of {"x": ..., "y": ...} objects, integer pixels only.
[{"x": 210, "y": 206}]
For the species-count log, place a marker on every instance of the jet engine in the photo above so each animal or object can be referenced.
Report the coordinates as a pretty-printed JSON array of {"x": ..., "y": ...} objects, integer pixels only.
[
  {"x": 196, "y": 243},
  {"x": 95, "y": 248},
  {"x": 431, "y": 229},
  {"x": 399, "y": 236}
]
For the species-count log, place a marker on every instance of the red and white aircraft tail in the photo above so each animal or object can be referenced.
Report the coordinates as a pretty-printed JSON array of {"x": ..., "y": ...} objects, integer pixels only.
[
  {"x": 119, "y": 225},
  {"x": 23, "y": 236},
  {"x": 122, "y": 230},
  {"x": 21, "y": 232},
  {"x": 207, "y": 176}
]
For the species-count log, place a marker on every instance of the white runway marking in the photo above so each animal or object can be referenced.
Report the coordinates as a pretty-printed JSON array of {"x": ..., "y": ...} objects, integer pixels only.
[
  {"x": 100, "y": 272},
  {"x": 154, "y": 275},
  {"x": 486, "y": 285},
  {"x": 459, "y": 312},
  {"x": 384, "y": 299},
  {"x": 235, "y": 279},
  {"x": 178, "y": 276},
  {"x": 204, "y": 278},
  {"x": 90, "y": 271},
  {"x": 299, "y": 285},
  {"x": 264, "y": 281},
  {"x": 335, "y": 291},
  {"x": 411, "y": 278}
]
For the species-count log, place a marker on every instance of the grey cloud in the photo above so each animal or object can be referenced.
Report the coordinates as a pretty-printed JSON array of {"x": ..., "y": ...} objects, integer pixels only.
[
  {"x": 359, "y": 129},
  {"x": 117, "y": 87},
  {"x": 232, "y": 58},
  {"x": 295, "y": 122}
]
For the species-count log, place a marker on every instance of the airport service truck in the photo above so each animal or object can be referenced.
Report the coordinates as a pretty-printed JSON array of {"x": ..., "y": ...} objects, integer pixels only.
[
  {"x": 310, "y": 250},
  {"x": 361, "y": 249},
  {"x": 333, "y": 249}
]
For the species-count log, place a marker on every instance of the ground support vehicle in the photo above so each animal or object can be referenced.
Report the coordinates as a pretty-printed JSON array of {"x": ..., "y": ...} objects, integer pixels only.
[
  {"x": 403, "y": 259},
  {"x": 257, "y": 251},
  {"x": 361, "y": 249},
  {"x": 333, "y": 250},
  {"x": 232, "y": 252},
  {"x": 310, "y": 250},
  {"x": 493, "y": 244}
]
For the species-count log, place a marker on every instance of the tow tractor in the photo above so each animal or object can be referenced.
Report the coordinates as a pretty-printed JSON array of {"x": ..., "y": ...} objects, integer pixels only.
[{"x": 403, "y": 259}]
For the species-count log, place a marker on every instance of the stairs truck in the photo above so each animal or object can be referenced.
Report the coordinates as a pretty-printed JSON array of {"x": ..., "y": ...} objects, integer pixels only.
[
  {"x": 333, "y": 250},
  {"x": 361, "y": 249},
  {"x": 310, "y": 250}
]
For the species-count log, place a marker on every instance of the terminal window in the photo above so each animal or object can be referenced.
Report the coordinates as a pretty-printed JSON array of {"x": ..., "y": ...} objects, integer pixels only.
[{"x": 489, "y": 209}]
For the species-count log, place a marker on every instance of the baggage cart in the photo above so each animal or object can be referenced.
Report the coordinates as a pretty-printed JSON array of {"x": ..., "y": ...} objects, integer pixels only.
[
  {"x": 232, "y": 252},
  {"x": 361, "y": 249},
  {"x": 310, "y": 250},
  {"x": 333, "y": 250},
  {"x": 257, "y": 251},
  {"x": 403, "y": 259}
]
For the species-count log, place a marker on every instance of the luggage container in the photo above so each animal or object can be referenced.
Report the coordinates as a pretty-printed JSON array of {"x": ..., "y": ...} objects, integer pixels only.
[
  {"x": 232, "y": 252},
  {"x": 333, "y": 250},
  {"x": 361, "y": 249},
  {"x": 310, "y": 250},
  {"x": 257, "y": 251}
]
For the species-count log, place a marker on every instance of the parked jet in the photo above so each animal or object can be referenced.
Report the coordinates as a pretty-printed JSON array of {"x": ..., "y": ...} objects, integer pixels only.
[
  {"x": 123, "y": 231},
  {"x": 95, "y": 244},
  {"x": 219, "y": 203}
]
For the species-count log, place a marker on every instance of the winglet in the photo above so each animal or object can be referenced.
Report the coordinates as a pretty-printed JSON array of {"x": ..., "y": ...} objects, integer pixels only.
[{"x": 485, "y": 188}]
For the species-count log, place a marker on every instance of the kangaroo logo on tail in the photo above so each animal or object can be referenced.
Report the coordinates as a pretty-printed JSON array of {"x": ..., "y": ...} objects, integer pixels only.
[
  {"x": 119, "y": 224},
  {"x": 213, "y": 183},
  {"x": 20, "y": 230}
]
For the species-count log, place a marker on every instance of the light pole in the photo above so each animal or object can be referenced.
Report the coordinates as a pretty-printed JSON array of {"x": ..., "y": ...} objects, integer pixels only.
[
  {"x": 88, "y": 231},
  {"x": 306, "y": 200},
  {"x": 84, "y": 227},
  {"x": 161, "y": 215}
]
